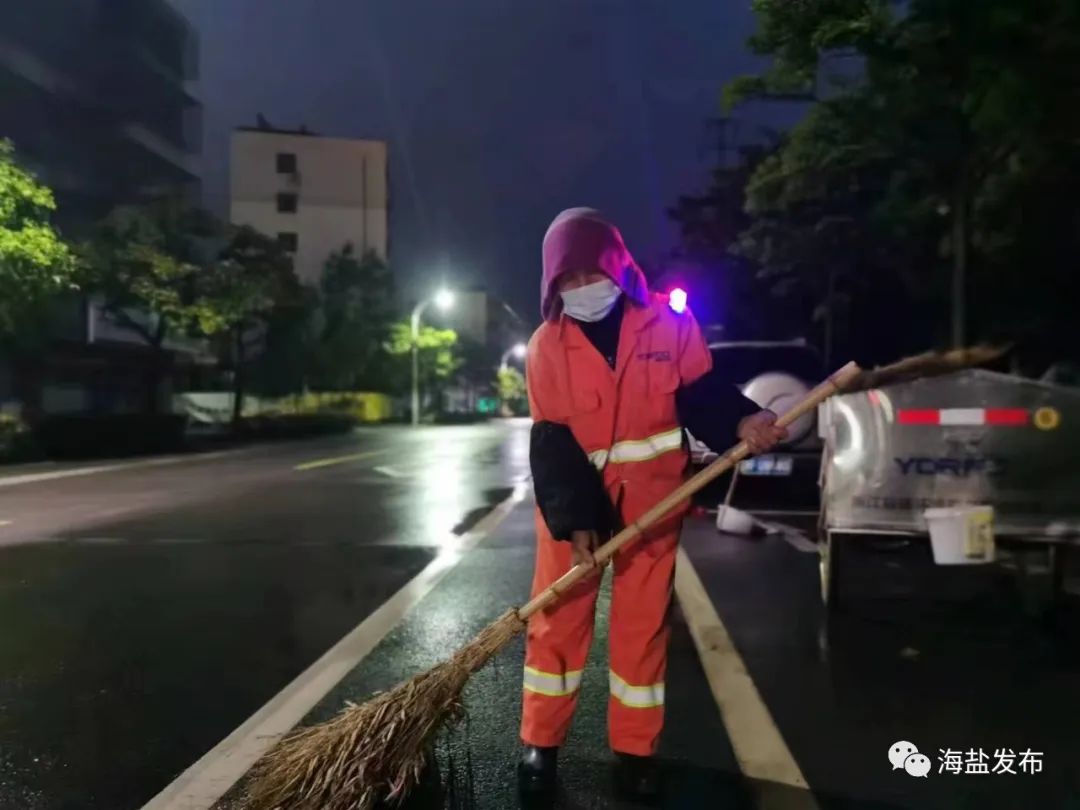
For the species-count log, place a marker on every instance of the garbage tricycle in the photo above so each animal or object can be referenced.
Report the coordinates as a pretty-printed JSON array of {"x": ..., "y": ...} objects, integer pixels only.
[{"x": 975, "y": 460}]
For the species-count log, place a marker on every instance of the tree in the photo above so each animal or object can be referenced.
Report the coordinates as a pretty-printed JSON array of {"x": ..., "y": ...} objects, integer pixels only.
[
  {"x": 356, "y": 309},
  {"x": 710, "y": 225},
  {"x": 34, "y": 262},
  {"x": 438, "y": 358},
  {"x": 290, "y": 346},
  {"x": 252, "y": 279},
  {"x": 915, "y": 165},
  {"x": 148, "y": 267},
  {"x": 511, "y": 386},
  {"x": 168, "y": 270}
]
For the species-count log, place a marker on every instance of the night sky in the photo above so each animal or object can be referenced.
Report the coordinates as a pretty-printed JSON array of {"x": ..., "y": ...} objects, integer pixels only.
[{"x": 499, "y": 113}]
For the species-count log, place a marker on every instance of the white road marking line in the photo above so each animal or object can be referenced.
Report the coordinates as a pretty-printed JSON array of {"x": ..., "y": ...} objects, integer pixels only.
[
  {"x": 793, "y": 536},
  {"x": 392, "y": 472},
  {"x": 6, "y": 522},
  {"x": 785, "y": 512},
  {"x": 211, "y": 777},
  {"x": 759, "y": 747},
  {"x": 330, "y": 462},
  {"x": 797, "y": 540},
  {"x": 35, "y": 478}
]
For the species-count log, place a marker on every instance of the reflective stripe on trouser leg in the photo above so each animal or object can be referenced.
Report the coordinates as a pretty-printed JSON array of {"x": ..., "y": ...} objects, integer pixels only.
[
  {"x": 552, "y": 684},
  {"x": 636, "y": 697},
  {"x": 556, "y": 646},
  {"x": 641, "y": 596}
]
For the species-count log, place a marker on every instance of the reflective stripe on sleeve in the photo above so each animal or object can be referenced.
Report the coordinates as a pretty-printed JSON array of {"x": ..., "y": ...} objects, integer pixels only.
[
  {"x": 637, "y": 697},
  {"x": 646, "y": 449},
  {"x": 634, "y": 450},
  {"x": 551, "y": 684}
]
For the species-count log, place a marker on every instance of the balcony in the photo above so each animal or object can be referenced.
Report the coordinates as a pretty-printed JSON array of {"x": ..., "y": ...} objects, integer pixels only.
[{"x": 153, "y": 143}]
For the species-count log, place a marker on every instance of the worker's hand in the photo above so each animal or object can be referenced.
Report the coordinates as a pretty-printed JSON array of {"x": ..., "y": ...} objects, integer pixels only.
[
  {"x": 582, "y": 546},
  {"x": 760, "y": 432}
]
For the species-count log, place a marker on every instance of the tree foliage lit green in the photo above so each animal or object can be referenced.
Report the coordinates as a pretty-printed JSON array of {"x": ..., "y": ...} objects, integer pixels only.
[
  {"x": 439, "y": 359},
  {"x": 152, "y": 269},
  {"x": 34, "y": 262},
  {"x": 510, "y": 384}
]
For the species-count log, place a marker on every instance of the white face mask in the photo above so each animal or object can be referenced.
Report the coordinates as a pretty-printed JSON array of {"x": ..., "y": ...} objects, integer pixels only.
[{"x": 592, "y": 302}]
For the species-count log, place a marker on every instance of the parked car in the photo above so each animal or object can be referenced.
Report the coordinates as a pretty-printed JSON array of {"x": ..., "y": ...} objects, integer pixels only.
[{"x": 776, "y": 375}]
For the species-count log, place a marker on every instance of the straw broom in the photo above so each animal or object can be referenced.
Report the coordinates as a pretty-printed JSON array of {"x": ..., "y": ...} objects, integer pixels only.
[
  {"x": 376, "y": 751},
  {"x": 928, "y": 364}
]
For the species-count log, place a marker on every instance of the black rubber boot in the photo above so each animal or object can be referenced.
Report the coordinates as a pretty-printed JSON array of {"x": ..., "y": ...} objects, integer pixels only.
[
  {"x": 637, "y": 778},
  {"x": 537, "y": 770}
]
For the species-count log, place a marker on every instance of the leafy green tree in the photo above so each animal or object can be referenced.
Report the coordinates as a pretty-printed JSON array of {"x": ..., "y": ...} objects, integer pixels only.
[
  {"x": 511, "y": 387},
  {"x": 290, "y": 346},
  {"x": 914, "y": 166},
  {"x": 356, "y": 308},
  {"x": 711, "y": 224},
  {"x": 251, "y": 280},
  {"x": 168, "y": 270},
  {"x": 438, "y": 359},
  {"x": 148, "y": 268},
  {"x": 34, "y": 262}
]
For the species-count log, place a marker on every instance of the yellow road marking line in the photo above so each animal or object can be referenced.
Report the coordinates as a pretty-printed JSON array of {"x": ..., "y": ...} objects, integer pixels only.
[
  {"x": 328, "y": 462},
  {"x": 759, "y": 747}
]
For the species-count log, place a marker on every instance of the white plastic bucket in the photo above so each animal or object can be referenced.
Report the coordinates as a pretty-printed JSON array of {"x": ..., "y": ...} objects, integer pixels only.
[
  {"x": 961, "y": 535},
  {"x": 734, "y": 521}
]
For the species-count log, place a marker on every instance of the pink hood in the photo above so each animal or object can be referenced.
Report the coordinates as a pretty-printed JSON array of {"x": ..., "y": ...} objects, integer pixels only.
[{"x": 581, "y": 239}]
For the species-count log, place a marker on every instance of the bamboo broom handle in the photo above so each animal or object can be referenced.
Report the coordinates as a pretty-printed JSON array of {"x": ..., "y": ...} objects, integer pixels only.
[{"x": 832, "y": 385}]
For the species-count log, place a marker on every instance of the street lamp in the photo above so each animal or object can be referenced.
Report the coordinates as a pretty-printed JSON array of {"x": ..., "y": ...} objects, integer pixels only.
[
  {"x": 443, "y": 299},
  {"x": 518, "y": 350}
]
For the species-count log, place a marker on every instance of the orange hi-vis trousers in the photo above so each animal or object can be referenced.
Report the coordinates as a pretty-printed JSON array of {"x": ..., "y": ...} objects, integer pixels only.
[{"x": 558, "y": 640}]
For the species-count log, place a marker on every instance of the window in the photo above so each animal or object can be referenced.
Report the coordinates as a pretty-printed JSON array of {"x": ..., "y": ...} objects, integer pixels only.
[
  {"x": 288, "y": 241},
  {"x": 286, "y": 203},
  {"x": 286, "y": 163}
]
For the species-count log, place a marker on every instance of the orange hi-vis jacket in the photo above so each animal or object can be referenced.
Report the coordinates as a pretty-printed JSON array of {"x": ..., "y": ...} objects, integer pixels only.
[{"x": 625, "y": 420}]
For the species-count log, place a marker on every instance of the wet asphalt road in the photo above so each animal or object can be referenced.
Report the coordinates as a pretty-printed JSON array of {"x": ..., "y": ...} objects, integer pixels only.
[
  {"x": 475, "y": 763},
  {"x": 148, "y": 611},
  {"x": 950, "y": 660},
  {"x": 959, "y": 659}
]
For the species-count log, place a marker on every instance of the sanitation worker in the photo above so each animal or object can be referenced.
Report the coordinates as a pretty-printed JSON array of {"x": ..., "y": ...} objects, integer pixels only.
[{"x": 614, "y": 375}]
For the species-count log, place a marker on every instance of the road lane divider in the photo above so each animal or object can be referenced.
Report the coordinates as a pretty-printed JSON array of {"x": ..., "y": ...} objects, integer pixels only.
[
  {"x": 203, "y": 784},
  {"x": 759, "y": 747},
  {"x": 76, "y": 472},
  {"x": 330, "y": 462}
]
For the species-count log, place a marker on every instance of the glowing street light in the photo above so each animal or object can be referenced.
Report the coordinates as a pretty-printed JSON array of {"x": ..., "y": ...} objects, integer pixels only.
[
  {"x": 517, "y": 351},
  {"x": 443, "y": 300}
]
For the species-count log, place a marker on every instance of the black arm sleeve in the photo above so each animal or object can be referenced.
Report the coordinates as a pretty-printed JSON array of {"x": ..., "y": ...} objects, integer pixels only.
[
  {"x": 568, "y": 488},
  {"x": 711, "y": 408}
]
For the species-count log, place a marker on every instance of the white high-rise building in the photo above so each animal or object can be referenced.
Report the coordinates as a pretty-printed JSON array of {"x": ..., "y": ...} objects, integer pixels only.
[{"x": 315, "y": 194}]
